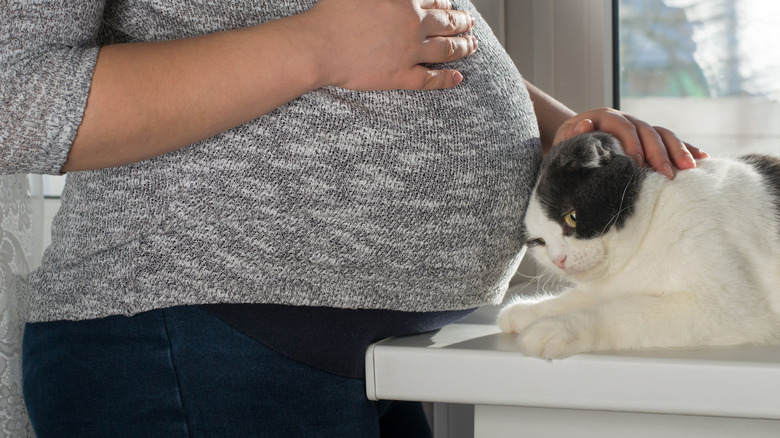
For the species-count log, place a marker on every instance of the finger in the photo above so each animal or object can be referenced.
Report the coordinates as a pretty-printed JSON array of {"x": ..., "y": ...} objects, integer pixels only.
[
  {"x": 446, "y": 22},
  {"x": 581, "y": 127},
  {"x": 626, "y": 132},
  {"x": 571, "y": 128},
  {"x": 654, "y": 148},
  {"x": 447, "y": 49},
  {"x": 421, "y": 78},
  {"x": 676, "y": 149},
  {"x": 435, "y": 4},
  {"x": 697, "y": 153}
]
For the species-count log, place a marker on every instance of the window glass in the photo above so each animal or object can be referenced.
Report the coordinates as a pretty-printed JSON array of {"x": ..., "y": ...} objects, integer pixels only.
[{"x": 707, "y": 69}]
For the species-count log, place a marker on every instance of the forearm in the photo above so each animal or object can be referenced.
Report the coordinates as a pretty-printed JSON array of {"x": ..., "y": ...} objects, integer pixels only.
[
  {"x": 550, "y": 115},
  {"x": 147, "y": 99}
]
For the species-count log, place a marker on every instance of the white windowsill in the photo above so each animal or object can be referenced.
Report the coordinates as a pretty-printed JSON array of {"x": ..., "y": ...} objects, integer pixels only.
[{"x": 476, "y": 364}]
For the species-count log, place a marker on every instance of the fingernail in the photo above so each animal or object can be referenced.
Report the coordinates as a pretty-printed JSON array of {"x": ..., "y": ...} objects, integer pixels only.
[
  {"x": 474, "y": 42},
  {"x": 457, "y": 77},
  {"x": 639, "y": 159},
  {"x": 697, "y": 151},
  {"x": 689, "y": 158},
  {"x": 473, "y": 20},
  {"x": 667, "y": 170}
]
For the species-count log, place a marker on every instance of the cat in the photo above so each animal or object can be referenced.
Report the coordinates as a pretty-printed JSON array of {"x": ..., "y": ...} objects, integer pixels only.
[{"x": 652, "y": 262}]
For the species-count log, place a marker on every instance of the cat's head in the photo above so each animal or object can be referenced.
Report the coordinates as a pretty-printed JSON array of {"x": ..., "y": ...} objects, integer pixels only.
[{"x": 586, "y": 191}]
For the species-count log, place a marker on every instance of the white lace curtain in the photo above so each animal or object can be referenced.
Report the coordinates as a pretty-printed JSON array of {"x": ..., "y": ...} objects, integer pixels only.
[{"x": 21, "y": 233}]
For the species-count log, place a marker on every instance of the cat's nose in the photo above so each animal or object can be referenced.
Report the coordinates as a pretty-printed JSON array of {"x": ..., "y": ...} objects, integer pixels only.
[{"x": 559, "y": 261}]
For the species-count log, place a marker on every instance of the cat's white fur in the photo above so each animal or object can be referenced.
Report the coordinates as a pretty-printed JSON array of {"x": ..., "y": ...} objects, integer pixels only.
[{"x": 696, "y": 264}]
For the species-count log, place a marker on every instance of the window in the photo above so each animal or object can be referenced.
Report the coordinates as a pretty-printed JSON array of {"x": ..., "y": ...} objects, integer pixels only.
[{"x": 707, "y": 69}]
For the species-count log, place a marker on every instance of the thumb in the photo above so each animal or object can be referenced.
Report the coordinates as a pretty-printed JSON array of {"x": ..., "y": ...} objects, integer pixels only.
[
  {"x": 569, "y": 129},
  {"x": 421, "y": 78},
  {"x": 583, "y": 126}
]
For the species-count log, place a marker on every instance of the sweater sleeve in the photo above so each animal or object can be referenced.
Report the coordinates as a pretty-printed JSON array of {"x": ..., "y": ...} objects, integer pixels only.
[{"x": 48, "y": 51}]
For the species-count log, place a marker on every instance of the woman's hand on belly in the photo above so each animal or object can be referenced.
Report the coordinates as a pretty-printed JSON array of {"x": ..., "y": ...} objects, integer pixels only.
[{"x": 382, "y": 44}]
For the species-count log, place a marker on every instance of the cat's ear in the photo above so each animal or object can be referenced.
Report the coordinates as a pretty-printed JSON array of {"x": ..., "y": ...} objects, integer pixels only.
[
  {"x": 602, "y": 147},
  {"x": 587, "y": 151}
]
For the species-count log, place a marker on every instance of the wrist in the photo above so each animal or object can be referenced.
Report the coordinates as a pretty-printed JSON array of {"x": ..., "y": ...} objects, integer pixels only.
[
  {"x": 310, "y": 49},
  {"x": 292, "y": 46}
]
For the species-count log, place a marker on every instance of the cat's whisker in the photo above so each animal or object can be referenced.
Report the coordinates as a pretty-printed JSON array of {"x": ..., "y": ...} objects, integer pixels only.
[
  {"x": 541, "y": 281},
  {"x": 614, "y": 219},
  {"x": 544, "y": 201},
  {"x": 552, "y": 283},
  {"x": 529, "y": 277}
]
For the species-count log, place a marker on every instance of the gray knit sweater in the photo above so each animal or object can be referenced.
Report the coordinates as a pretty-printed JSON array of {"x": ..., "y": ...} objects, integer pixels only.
[{"x": 400, "y": 200}]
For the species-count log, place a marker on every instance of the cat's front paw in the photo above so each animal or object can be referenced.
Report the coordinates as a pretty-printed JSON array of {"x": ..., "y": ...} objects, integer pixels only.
[
  {"x": 517, "y": 316},
  {"x": 556, "y": 337}
]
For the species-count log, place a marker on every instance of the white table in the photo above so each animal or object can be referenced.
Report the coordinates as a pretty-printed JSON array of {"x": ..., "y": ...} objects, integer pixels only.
[{"x": 716, "y": 392}]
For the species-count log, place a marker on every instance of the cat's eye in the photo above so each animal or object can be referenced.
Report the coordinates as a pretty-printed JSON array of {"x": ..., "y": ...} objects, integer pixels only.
[
  {"x": 571, "y": 219},
  {"x": 536, "y": 242}
]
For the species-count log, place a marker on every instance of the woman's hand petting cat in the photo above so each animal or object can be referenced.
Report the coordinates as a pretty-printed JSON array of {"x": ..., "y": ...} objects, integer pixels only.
[{"x": 659, "y": 147}]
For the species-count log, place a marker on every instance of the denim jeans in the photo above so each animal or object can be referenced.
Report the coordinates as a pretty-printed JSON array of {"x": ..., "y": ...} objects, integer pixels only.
[{"x": 182, "y": 372}]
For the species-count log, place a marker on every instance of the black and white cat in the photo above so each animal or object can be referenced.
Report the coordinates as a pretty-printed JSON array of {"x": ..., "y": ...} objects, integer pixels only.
[{"x": 653, "y": 263}]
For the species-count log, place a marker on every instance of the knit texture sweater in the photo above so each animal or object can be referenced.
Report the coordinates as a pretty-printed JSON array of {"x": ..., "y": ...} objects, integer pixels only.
[{"x": 400, "y": 200}]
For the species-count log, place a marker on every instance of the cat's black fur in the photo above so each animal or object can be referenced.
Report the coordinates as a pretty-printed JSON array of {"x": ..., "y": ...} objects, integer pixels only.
[
  {"x": 769, "y": 167},
  {"x": 591, "y": 175}
]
